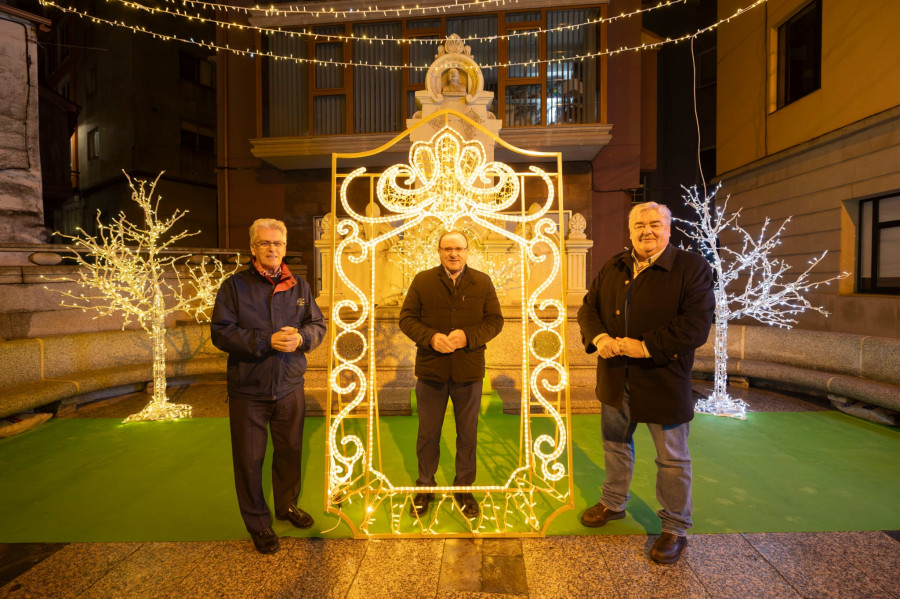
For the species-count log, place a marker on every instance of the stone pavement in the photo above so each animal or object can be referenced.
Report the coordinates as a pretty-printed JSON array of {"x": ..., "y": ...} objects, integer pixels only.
[{"x": 774, "y": 565}]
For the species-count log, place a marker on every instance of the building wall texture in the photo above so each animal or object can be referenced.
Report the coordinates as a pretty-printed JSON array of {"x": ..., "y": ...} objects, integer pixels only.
[{"x": 817, "y": 157}]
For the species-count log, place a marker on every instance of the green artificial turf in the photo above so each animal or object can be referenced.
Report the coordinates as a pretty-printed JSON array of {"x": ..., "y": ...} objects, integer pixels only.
[{"x": 102, "y": 481}]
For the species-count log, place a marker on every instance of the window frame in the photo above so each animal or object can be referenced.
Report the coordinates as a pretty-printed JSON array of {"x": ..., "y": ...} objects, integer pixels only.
[
  {"x": 783, "y": 97},
  {"x": 440, "y": 32},
  {"x": 874, "y": 228}
]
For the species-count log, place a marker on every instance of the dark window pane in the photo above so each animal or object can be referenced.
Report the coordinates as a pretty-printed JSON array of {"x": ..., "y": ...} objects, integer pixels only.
[
  {"x": 571, "y": 84},
  {"x": 329, "y": 115},
  {"x": 377, "y": 101},
  {"x": 523, "y": 105},
  {"x": 800, "y": 54}
]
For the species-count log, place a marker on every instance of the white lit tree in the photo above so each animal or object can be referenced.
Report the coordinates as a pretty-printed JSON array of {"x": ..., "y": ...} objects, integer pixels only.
[
  {"x": 128, "y": 270},
  {"x": 765, "y": 292}
]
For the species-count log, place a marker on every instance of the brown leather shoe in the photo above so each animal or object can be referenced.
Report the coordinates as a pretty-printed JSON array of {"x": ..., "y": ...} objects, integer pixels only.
[
  {"x": 598, "y": 515},
  {"x": 667, "y": 548},
  {"x": 297, "y": 517}
]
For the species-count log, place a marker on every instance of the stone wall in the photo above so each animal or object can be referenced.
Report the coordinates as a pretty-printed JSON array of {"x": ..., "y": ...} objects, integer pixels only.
[{"x": 21, "y": 202}]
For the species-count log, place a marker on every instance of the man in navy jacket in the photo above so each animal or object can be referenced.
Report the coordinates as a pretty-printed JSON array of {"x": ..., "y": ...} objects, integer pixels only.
[
  {"x": 645, "y": 314},
  {"x": 266, "y": 319}
]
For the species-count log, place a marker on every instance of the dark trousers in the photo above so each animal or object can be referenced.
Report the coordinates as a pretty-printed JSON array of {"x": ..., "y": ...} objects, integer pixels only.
[
  {"x": 432, "y": 400},
  {"x": 249, "y": 436}
]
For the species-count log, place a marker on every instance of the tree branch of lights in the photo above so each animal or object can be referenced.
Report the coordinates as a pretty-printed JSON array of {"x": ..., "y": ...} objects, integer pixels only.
[
  {"x": 124, "y": 267},
  {"x": 768, "y": 294}
]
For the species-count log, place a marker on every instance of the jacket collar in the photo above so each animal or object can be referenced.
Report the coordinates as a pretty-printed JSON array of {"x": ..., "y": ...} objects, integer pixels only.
[
  {"x": 464, "y": 278},
  {"x": 284, "y": 283},
  {"x": 665, "y": 260}
]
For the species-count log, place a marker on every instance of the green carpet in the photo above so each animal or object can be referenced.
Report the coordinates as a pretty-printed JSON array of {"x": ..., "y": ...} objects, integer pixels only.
[{"x": 100, "y": 480}]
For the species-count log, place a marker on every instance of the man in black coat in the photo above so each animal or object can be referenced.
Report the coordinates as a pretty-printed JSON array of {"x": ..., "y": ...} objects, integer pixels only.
[
  {"x": 451, "y": 312},
  {"x": 646, "y": 313},
  {"x": 266, "y": 319}
]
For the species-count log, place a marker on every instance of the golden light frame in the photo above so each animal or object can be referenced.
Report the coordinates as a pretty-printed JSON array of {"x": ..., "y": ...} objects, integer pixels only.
[{"x": 447, "y": 178}]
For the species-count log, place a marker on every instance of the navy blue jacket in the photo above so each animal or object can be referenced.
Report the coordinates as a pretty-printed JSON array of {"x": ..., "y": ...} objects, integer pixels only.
[
  {"x": 249, "y": 309},
  {"x": 669, "y": 307}
]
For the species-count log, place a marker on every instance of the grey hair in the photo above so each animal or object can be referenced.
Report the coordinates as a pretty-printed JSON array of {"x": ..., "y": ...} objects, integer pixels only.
[
  {"x": 267, "y": 223},
  {"x": 639, "y": 209}
]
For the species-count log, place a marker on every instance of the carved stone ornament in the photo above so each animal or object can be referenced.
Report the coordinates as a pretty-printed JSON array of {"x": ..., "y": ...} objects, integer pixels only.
[
  {"x": 577, "y": 225},
  {"x": 454, "y": 72}
]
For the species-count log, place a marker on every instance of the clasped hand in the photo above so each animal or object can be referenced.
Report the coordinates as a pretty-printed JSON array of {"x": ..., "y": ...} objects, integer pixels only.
[
  {"x": 447, "y": 344},
  {"x": 620, "y": 346},
  {"x": 287, "y": 339}
]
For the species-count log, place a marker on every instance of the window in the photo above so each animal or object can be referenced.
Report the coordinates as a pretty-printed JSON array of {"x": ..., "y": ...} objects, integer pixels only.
[
  {"x": 195, "y": 69},
  {"x": 800, "y": 54},
  {"x": 197, "y": 137},
  {"x": 879, "y": 245},
  {"x": 93, "y": 141},
  {"x": 322, "y": 99}
]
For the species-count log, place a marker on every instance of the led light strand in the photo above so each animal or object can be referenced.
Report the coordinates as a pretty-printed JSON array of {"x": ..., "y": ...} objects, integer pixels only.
[
  {"x": 374, "y": 11},
  {"x": 252, "y": 53},
  {"x": 305, "y": 33}
]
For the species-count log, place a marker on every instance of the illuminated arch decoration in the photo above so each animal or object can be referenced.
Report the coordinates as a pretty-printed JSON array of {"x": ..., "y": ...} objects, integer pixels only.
[{"x": 447, "y": 183}]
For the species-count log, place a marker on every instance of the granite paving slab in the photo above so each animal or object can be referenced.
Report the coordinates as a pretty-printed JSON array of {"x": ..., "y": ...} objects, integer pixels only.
[
  {"x": 398, "y": 568},
  {"x": 817, "y": 567},
  {"x": 567, "y": 568},
  {"x": 731, "y": 568},
  {"x": 636, "y": 576}
]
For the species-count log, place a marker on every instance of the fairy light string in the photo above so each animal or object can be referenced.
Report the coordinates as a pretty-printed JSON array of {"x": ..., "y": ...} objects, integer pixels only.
[
  {"x": 254, "y": 52},
  {"x": 344, "y": 15}
]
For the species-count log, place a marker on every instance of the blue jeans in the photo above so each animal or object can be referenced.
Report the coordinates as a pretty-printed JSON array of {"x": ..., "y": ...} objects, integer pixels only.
[{"x": 673, "y": 466}]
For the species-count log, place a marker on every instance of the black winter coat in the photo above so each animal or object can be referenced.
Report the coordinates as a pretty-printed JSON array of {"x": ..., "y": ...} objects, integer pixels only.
[
  {"x": 434, "y": 305},
  {"x": 249, "y": 309},
  {"x": 670, "y": 307}
]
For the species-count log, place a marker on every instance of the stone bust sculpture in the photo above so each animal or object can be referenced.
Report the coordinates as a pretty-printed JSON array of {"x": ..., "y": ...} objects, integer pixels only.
[{"x": 453, "y": 83}]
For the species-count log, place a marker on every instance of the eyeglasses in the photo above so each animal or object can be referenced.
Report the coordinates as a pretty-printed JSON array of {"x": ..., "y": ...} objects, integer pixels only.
[
  {"x": 453, "y": 250},
  {"x": 270, "y": 244}
]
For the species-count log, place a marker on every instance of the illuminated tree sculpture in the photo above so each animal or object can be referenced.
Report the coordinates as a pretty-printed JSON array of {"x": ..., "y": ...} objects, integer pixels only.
[
  {"x": 128, "y": 271},
  {"x": 767, "y": 295}
]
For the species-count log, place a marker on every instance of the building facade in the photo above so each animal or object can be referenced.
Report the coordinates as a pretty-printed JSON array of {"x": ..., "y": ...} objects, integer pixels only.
[
  {"x": 808, "y": 125},
  {"x": 280, "y": 120}
]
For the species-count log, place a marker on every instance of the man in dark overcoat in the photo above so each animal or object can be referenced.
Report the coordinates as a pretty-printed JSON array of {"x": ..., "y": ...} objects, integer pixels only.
[
  {"x": 451, "y": 311},
  {"x": 646, "y": 313}
]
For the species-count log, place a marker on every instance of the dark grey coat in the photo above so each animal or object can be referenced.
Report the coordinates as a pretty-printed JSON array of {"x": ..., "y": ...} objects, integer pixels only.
[
  {"x": 670, "y": 308},
  {"x": 434, "y": 305}
]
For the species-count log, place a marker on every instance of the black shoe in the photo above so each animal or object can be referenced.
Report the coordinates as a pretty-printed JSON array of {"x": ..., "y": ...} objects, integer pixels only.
[
  {"x": 420, "y": 504},
  {"x": 467, "y": 504},
  {"x": 667, "y": 548},
  {"x": 265, "y": 540},
  {"x": 297, "y": 517},
  {"x": 598, "y": 515}
]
